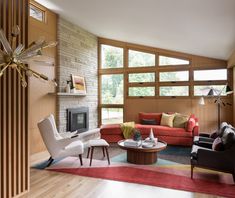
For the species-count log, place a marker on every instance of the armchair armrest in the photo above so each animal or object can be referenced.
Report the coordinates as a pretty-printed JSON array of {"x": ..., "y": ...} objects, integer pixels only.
[
  {"x": 204, "y": 135},
  {"x": 205, "y": 144},
  {"x": 66, "y": 141},
  {"x": 205, "y": 139}
]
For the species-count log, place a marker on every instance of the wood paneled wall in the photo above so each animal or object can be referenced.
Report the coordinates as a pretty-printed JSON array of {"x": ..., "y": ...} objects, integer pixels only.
[
  {"x": 231, "y": 60},
  {"x": 40, "y": 103},
  {"x": 14, "y": 175}
]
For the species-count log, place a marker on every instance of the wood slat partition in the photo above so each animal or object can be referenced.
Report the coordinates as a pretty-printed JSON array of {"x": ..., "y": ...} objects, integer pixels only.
[{"x": 14, "y": 177}]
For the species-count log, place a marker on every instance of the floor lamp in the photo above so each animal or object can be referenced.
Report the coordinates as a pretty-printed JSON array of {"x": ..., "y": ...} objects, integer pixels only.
[{"x": 218, "y": 100}]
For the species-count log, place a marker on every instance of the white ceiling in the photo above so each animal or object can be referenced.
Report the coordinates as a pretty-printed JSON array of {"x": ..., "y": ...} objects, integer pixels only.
[{"x": 200, "y": 27}]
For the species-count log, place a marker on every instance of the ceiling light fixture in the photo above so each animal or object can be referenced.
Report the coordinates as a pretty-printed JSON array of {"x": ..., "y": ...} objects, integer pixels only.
[{"x": 18, "y": 57}]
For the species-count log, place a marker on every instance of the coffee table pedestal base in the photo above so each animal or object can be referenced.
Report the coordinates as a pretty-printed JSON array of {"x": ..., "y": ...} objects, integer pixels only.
[{"x": 141, "y": 157}]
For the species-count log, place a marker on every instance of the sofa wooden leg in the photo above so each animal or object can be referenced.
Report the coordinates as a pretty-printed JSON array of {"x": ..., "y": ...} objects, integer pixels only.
[
  {"x": 88, "y": 152},
  {"x": 106, "y": 148},
  {"x": 103, "y": 151},
  {"x": 192, "y": 166},
  {"x": 50, "y": 161},
  {"x": 80, "y": 157},
  {"x": 92, "y": 150}
]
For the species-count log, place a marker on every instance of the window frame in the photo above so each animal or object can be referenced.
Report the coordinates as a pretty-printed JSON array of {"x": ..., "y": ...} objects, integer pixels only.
[
  {"x": 125, "y": 70},
  {"x": 175, "y": 85},
  {"x": 143, "y": 51},
  {"x": 202, "y": 69},
  {"x": 100, "y": 57},
  {"x": 174, "y": 56},
  {"x": 179, "y": 70},
  {"x": 40, "y": 8},
  {"x": 111, "y": 107}
]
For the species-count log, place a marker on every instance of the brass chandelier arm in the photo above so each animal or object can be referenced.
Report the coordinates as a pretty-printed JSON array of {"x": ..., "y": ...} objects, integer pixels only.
[
  {"x": 18, "y": 70},
  {"x": 34, "y": 73},
  {"x": 4, "y": 68},
  {"x": 22, "y": 77}
]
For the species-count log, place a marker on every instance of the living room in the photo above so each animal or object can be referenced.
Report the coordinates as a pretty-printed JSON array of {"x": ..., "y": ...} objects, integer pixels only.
[{"x": 124, "y": 99}]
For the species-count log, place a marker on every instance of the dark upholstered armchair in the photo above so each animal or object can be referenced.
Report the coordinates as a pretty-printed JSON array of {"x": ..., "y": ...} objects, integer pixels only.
[
  {"x": 216, "y": 155},
  {"x": 216, "y": 160}
]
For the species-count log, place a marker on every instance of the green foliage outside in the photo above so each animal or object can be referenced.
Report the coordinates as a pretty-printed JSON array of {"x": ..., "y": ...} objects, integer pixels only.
[{"x": 138, "y": 59}]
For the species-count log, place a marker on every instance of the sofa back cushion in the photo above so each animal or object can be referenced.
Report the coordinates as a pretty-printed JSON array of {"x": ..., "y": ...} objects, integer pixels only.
[
  {"x": 150, "y": 116},
  {"x": 167, "y": 120},
  {"x": 180, "y": 120}
]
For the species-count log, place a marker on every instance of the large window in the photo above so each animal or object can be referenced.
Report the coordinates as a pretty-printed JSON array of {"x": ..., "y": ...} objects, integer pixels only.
[
  {"x": 209, "y": 75},
  {"x": 141, "y": 91},
  {"x": 112, "y": 89},
  {"x": 141, "y": 77},
  {"x": 174, "y": 76},
  {"x": 141, "y": 59},
  {"x": 36, "y": 13},
  {"x": 174, "y": 91},
  {"x": 127, "y": 71},
  {"x": 165, "y": 61},
  {"x": 112, "y": 57},
  {"x": 203, "y": 90},
  {"x": 112, "y": 115}
]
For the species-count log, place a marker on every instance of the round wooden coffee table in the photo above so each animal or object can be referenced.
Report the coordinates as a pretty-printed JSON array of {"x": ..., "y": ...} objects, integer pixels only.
[{"x": 139, "y": 155}]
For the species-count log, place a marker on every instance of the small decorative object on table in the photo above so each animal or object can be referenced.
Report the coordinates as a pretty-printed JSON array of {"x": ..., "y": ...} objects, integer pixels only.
[
  {"x": 151, "y": 138},
  {"x": 151, "y": 135},
  {"x": 132, "y": 143},
  {"x": 137, "y": 135}
]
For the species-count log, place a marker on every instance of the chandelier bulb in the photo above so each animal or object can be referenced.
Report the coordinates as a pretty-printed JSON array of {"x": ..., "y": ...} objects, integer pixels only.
[
  {"x": 24, "y": 83},
  {"x": 29, "y": 73},
  {"x": 15, "y": 31}
]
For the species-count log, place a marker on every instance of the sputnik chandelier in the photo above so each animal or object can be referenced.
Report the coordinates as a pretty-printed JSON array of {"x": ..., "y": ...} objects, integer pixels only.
[{"x": 18, "y": 57}]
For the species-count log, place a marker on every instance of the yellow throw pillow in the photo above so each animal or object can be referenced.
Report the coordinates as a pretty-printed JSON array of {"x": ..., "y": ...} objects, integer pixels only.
[
  {"x": 180, "y": 120},
  {"x": 167, "y": 120}
]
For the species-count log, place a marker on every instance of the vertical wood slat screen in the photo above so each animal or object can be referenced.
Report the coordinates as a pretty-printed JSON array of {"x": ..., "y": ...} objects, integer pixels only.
[{"x": 14, "y": 177}]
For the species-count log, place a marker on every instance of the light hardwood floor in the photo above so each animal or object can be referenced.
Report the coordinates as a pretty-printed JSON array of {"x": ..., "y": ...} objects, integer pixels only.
[{"x": 50, "y": 184}]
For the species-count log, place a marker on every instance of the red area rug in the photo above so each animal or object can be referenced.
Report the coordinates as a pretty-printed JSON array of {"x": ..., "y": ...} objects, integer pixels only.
[{"x": 154, "y": 177}]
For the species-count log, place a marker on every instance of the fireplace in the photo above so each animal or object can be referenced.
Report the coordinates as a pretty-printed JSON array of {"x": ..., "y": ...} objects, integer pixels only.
[{"x": 78, "y": 119}]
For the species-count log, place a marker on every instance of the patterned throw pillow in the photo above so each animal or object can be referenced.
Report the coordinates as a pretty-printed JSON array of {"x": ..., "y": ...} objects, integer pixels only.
[
  {"x": 180, "y": 120},
  {"x": 217, "y": 144},
  {"x": 167, "y": 120}
]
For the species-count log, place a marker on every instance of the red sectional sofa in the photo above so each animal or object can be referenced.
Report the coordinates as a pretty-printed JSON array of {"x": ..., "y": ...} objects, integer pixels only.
[{"x": 173, "y": 136}]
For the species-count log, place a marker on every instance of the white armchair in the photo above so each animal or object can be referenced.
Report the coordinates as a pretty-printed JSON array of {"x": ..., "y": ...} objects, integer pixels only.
[{"x": 56, "y": 145}]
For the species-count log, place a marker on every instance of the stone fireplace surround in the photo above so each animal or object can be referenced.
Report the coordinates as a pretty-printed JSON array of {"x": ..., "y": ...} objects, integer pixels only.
[{"x": 77, "y": 52}]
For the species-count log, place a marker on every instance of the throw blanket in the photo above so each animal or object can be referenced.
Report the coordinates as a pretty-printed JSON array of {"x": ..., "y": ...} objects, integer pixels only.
[{"x": 127, "y": 129}]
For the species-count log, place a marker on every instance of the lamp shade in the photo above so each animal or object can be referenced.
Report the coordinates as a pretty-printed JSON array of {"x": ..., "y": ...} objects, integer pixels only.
[
  {"x": 201, "y": 101},
  {"x": 211, "y": 92},
  {"x": 228, "y": 90}
]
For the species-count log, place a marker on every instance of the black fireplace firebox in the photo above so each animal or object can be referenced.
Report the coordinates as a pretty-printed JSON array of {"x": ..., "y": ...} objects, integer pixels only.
[{"x": 78, "y": 119}]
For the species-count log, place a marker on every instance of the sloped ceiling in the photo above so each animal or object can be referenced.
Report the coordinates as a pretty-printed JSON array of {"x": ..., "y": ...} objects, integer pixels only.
[{"x": 200, "y": 27}]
